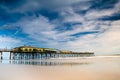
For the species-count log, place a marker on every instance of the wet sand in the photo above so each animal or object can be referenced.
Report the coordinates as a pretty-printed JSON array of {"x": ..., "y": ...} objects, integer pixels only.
[{"x": 92, "y": 68}]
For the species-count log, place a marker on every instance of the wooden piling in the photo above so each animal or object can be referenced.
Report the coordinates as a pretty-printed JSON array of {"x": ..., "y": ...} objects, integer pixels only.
[
  {"x": 11, "y": 55},
  {"x": 0, "y": 55}
]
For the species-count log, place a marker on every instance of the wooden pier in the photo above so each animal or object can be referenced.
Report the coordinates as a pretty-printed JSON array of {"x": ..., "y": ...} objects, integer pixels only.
[
  {"x": 6, "y": 50},
  {"x": 29, "y": 52}
]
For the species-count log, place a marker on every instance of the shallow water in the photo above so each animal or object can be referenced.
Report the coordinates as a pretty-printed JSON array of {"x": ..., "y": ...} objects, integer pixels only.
[{"x": 85, "y": 68}]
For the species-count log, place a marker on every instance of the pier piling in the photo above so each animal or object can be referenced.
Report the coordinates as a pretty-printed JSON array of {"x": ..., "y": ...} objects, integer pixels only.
[
  {"x": 1, "y": 55},
  {"x": 11, "y": 55}
]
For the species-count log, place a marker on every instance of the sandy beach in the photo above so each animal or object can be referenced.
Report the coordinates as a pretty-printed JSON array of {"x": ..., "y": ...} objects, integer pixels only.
[{"x": 92, "y": 68}]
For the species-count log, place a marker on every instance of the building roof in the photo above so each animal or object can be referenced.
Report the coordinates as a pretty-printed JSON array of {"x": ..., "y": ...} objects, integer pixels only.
[
  {"x": 37, "y": 47},
  {"x": 25, "y": 47}
]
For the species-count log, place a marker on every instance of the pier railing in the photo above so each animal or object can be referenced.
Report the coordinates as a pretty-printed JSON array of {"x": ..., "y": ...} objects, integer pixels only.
[{"x": 6, "y": 50}]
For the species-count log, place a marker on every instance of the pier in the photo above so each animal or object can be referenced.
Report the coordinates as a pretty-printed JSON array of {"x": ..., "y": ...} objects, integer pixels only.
[
  {"x": 7, "y": 50},
  {"x": 29, "y": 52}
]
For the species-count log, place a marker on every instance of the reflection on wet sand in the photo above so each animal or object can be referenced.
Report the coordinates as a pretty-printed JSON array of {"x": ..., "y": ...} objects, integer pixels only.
[
  {"x": 47, "y": 62},
  {"x": 94, "y": 68}
]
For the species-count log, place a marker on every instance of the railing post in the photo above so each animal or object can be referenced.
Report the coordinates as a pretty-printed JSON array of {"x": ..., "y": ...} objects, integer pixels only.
[{"x": 0, "y": 55}]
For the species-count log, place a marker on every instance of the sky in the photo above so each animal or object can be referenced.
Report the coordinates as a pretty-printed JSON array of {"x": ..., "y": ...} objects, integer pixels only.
[{"x": 76, "y": 25}]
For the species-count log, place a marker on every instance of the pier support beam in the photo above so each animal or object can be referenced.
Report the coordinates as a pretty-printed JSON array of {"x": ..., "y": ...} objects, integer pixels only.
[
  {"x": 0, "y": 55},
  {"x": 11, "y": 55}
]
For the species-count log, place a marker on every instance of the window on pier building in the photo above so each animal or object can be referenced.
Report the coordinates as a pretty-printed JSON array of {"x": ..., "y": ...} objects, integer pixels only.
[
  {"x": 19, "y": 49},
  {"x": 30, "y": 50},
  {"x": 26, "y": 49},
  {"x": 41, "y": 50},
  {"x": 34, "y": 50}
]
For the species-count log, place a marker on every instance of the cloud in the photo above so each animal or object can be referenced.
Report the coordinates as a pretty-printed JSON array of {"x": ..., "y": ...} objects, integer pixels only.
[
  {"x": 95, "y": 14},
  {"x": 9, "y": 42},
  {"x": 68, "y": 15},
  {"x": 103, "y": 4},
  {"x": 89, "y": 36},
  {"x": 9, "y": 27},
  {"x": 38, "y": 28},
  {"x": 33, "y": 5},
  {"x": 79, "y": 25},
  {"x": 105, "y": 43},
  {"x": 53, "y": 9}
]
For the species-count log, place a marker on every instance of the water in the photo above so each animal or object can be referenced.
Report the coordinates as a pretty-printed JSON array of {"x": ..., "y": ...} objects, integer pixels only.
[{"x": 76, "y": 68}]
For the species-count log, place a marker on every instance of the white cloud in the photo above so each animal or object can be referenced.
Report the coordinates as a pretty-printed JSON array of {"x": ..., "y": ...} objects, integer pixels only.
[
  {"x": 9, "y": 42},
  {"x": 35, "y": 5},
  {"x": 41, "y": 29},
  {"x": 105, "y": 43},
  {"x": 38, "y": 28},
  {"x": 94, "y": 14},
  {"x": 68, "y": 14}
]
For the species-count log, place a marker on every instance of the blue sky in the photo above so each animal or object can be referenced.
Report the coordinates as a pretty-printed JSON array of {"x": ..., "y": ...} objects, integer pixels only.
[{"x": 77, "y": 25}]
